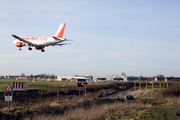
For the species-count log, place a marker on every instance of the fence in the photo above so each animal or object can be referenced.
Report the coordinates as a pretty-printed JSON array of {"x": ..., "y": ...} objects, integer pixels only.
[
  {"x": 162, "y": 85},
  {"x": 27, "y": 93}
]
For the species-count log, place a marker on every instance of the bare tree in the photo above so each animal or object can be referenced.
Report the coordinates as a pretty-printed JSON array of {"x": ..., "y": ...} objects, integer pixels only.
[
  {"x": 160, "y": 77},
  {"x": 123, "y": 74},
  {"x": 22, "y": 74},
  {"x": 90, "y": 76},
  {"x": 42, "y": 76},
  {"x": 47, "y": 76},
  {"x": 141, "y": 78},
  {"x": 53, "y": 76},
  {"x": 31, "y": 76}
]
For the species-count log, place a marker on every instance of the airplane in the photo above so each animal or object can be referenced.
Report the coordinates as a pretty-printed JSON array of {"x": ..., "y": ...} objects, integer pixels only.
[{"x": 41, "y": 42}]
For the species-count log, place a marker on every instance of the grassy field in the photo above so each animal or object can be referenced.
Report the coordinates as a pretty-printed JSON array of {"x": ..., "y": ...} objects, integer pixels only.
[{"x": 4, "y": 83}]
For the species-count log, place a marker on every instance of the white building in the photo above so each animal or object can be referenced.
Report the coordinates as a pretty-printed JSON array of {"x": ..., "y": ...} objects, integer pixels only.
[
  {"x": 63, "y": 78},
  {"x": 102, "y": 78},
  {"x": 110, "y": 78},
  {"x": 79, "y": 79}
]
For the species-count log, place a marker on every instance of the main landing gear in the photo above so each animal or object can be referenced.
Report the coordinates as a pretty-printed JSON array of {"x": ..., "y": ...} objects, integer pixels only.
[
  {"x": 29, "y": 48},
  {"x": 42, "y": 50}
]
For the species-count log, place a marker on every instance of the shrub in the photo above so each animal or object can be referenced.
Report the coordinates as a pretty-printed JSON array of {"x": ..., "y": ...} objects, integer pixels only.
[{"x": 171, "y": 92}]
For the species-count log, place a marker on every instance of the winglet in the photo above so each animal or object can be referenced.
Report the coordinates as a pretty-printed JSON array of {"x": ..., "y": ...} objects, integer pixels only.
[{"x": 60, "y": 32}]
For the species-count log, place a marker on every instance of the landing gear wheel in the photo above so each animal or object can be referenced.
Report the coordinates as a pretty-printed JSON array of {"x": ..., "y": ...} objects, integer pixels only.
[
  {"x": 42, "y": 50},
  {"x": 29, "y": 48},
  {"x": 20, "y": 49}
]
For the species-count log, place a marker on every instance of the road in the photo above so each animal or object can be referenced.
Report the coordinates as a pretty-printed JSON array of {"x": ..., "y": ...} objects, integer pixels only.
[{"x": 118, "y": 93}]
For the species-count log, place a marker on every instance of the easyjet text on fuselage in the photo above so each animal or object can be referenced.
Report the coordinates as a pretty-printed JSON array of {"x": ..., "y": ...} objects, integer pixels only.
[{"x": 35, "y": 38}]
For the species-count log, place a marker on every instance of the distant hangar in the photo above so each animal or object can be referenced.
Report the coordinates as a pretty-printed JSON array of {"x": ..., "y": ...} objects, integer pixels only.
[{"x": 101, "y": 78}]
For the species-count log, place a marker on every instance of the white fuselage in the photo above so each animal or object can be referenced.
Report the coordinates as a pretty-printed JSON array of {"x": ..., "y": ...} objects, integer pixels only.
[{"x": 39, "y": 41}]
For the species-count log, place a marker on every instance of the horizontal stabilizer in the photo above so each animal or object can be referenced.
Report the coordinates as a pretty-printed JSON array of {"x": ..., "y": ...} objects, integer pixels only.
[{"x": 62, "y": 44}]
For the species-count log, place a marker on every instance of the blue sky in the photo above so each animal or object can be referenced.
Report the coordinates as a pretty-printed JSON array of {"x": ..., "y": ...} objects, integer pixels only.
[{"x": 138, "y": 37}]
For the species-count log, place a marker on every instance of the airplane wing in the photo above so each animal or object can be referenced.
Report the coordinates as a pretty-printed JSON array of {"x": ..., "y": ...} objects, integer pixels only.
[{"x": 29, "y": 43}]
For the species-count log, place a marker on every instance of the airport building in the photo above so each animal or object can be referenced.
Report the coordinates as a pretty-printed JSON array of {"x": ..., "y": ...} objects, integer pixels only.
[
  {"x": 63, "y": 78},
  {"x": 102, "y": 78},
  {"x": 79, "y": 79},
  {"x": 132, "y": 78},
  {"x": 115, "y": 78},
  {"x": 120, "y": 78}
]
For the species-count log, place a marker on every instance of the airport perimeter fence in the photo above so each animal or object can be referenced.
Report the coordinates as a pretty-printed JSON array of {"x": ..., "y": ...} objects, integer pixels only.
[{"x": 161, "y": 85}]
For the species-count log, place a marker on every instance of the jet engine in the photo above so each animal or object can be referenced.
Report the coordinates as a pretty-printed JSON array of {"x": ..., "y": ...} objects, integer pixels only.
[
  {"x": 38, "y": 48},
  {"x": 19, "y": 44}
]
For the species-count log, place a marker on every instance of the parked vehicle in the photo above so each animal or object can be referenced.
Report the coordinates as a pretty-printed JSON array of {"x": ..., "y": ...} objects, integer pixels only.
[{"x": 128, "y": 97}]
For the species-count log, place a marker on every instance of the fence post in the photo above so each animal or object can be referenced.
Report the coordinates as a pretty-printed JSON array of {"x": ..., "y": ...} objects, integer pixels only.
[
  {"x": 163, "y": 85},
  {"x": 152, "y": 85},
  {"x": 160, "y": 86},
  {"x": 134, "y": 85},
  {"x": 85, "y": 90},
  {"x": 140, "y": 85}
]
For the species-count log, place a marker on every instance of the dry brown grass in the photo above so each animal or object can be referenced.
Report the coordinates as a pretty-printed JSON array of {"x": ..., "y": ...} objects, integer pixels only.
[
  {"x": 31, "y": 102},
  {"x": 172, "y": 101},
  {"x": 95, "y": 112},
  {"x": 172, "y": 91},
  {"x": 137, "y": 93},
  {"x": 77, "y": 109}
]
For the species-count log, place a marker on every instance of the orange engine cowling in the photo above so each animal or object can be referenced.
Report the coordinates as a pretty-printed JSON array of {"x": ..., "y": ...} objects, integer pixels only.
[
  {"x": 18, "y": 44},
  {"x": 38, "y": 48}
]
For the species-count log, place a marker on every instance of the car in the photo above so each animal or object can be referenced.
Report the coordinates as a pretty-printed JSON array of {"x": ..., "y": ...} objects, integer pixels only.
[{"x": 128, "y": 97}]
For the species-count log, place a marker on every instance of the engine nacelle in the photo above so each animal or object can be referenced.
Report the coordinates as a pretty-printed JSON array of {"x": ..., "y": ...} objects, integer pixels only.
[
  {"x": 38, "y": 48},
  {"x": 19, "y": 44}
]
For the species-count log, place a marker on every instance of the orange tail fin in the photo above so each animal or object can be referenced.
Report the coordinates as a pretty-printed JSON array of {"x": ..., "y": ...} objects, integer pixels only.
[{"x": 60, "y": 32}]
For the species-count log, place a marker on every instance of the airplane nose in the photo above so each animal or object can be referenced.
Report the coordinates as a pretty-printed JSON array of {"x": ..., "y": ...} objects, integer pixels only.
[{"x": 14, "y": 42}]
